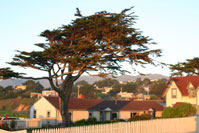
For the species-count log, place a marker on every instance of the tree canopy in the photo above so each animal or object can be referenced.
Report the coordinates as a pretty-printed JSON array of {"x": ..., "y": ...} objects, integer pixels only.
[
  {"x": 6, "y": 73},
  {"x": 97, "y": 45},
  {"x": 189, "y": 67},
  {"x": 33, "y": 86}
]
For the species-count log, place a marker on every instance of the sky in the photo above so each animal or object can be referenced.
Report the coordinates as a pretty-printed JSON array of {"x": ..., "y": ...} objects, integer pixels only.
[{"x": 172, "y": 24}]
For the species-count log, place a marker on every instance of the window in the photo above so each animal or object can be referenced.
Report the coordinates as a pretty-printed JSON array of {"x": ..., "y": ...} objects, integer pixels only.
[
  {"x": 114, "y": 116},
  {"x": 133, "y": 114},
  {"x": 174, "y": 93},
  {"x": 90, "y": 115},
  {"x": 191, "y": 91},
  {"x": 35, "y": 114},
  {"x": 48, "y": 113}
]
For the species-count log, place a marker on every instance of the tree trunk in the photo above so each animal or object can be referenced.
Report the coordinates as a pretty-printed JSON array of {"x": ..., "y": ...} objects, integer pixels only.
[{"x": 65, "y": 97}]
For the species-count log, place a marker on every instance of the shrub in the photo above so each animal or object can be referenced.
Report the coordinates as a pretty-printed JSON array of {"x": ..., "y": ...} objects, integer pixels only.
[
  {"x": 5, "y": 126},
  {"x": 91, "y": 120},
  {"x": 183, "y": 110},
  {"x": 169, "y": 112},
  {"x": 80, "y": 122},
  {"x": 140, "y": 117},
  {"x": 12, "y": 124}
]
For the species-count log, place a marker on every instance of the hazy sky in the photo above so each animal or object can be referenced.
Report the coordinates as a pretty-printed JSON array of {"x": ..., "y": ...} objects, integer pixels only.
[{"x": 173, "y": 24}]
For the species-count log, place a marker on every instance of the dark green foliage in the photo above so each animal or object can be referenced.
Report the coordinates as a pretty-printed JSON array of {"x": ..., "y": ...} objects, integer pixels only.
[
  {"x": 157, "y": 87},
  {"x": 6, "y": 73},
  {"x": 140, "y": 117},
  {"x": 90, "y": 121},
  {"x": 93, "y": 121},
  {"x": 169, "y": 112},
  {"x": 189, "y": 67},
  {"x": 13, "y": 124},
  {"x": 5, "y": 126},
  {"x": 97, "y": 43},
  {"x": 33, "y": 86},
  {"x": 130, "y": 87},
  {"x": 87, "y": 90},
  {"x": 106, "y": 83},
  {"x": 183, "y": 110}
]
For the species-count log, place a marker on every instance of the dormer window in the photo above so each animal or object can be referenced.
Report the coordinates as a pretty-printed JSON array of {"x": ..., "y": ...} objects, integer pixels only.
[
  {"x": 174, "y": 93},
  {"x": 191, "y": 91}
]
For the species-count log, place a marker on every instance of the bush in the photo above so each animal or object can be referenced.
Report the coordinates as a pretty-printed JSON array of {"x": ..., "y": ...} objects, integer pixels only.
[
  {"x": 81, "y": 122},
  {"x": 5, "y": 126},
  {"x": 12, "y": 124},
  {"x": 91, "y": 120},
  {"x": 141, "y": 117},
  {"x": 183, "y": 110}
]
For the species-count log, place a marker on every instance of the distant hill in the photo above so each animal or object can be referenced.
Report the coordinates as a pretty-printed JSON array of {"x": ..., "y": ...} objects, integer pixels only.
[
  {"x": 92, "y": 79},
  {"x": 89, "y": 79}
]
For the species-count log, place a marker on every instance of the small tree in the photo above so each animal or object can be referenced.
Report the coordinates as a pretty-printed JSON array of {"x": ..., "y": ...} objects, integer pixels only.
[
  {"x": 186, "y": 109},
  {"x": 98, "y": 43}
]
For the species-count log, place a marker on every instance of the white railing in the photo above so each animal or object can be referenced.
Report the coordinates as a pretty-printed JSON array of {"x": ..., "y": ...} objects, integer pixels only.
[
  {"x": 175, "y": 125},
  {"x": 24, "y": 124}
]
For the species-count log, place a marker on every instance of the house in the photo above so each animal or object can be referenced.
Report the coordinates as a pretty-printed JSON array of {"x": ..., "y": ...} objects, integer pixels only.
[
  {"x": 49, "y": 93},
  {"x": 182, "y": 89},
  {"x": 33, "y": 94},
  {"x": 20, "y": 87},
  {"x": 48, "y": 108},
  {"x": 125, "y": 95},
  {"x": 134, "y": 108},
  {"x": 79, "y": 108},
  {"x": 107, "y": 110}
]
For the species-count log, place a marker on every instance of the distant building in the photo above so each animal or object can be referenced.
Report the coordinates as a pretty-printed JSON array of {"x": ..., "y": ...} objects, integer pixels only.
[
  {"x": 20, "y": 87},
  {"x": 107, "y": 90},
  {"x": 47, "y": 93},
  {"x": 142, "y": 97},
  {"x": 125, "y": 95},
  {"x": 38, "y": 95},
  {"x": 153, "y": 80}
]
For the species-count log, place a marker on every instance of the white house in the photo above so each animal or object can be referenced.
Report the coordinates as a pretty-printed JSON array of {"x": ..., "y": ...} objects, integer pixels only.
[{"x": 182, "y": 89}]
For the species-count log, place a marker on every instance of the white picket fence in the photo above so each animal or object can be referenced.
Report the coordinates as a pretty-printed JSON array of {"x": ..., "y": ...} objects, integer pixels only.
[{"x": 175, "y": 125}]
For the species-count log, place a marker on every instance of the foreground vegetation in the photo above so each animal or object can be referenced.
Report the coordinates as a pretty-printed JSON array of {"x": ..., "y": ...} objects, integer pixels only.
[{"x": 184, "y": 110}]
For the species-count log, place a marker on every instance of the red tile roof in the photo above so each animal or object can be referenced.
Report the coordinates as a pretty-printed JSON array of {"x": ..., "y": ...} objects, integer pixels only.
[
  {"x": 75, "y": 103},
  {"x": 54, "y": 101},
  {"x": 142, "y": 105},
  {"x": 85, "y": 104},
  {"x": 177, "y": 104},
  {"x": 182, "y": 83}
]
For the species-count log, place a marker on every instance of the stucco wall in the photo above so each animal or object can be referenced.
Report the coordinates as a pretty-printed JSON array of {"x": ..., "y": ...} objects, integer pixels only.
[
  {"x": 96, "y": 114},
  {"x": 171, "y": 101},
  {"x": 41, "y": 107},
  {"x": 79, "y": 114},
  {"x": 158, "y": 113},
  {"x": 127, "y": 114}
]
